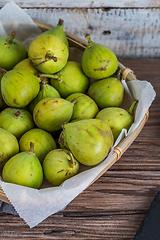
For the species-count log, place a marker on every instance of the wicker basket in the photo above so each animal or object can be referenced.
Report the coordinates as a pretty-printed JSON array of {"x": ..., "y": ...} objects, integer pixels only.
[{"x": 128, "y": 75}]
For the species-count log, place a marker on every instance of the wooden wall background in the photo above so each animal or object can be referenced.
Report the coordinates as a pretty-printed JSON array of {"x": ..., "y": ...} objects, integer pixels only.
[{"x": 131, "y": 28}]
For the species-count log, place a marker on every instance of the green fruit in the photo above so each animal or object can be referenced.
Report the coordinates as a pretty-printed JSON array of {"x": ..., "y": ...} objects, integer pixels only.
[
  {"x": 84, "y": 108},
  {"x": 8, "y": 146},
  {"x": 58, "y": 32},
  {"x": 117, "y": 118},
  {"x": 24, "y": 169},
  {"x": 59, "y": 165},
  {"x": 46, "y": 90},
  {"x": 70, "y": 79},
  {"x": 43, "y": 142},
  {"x": 3, "y": 105},
  {"x": 50, "y": 112},
  {"x": 48, "y": 53},
  {"x": 98, "y": 61},
  {"x": 62, "y": 140},
  {"x": 19, "y": 87},
  {"x": 26, "y": 64},
  {"x": 108, "y": 92},
  {"x": 12, "y": 51},
  {"x": 17, "y": 121},
  {"x": 89, "y": 140}
]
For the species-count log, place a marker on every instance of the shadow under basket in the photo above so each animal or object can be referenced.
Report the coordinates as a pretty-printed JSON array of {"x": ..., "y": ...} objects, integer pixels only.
[{"x": 78, "y": 45}]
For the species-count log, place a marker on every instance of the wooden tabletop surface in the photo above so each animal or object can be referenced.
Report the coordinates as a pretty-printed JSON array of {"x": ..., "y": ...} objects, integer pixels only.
[{"x": 114, "y": 206}]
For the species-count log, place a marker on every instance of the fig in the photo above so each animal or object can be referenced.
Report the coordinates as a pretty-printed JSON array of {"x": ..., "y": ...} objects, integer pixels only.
[
  {"x": 84, "y": 108},
  {"x": 117, "y": 118},
  {"x": 43, "y": 142},
  {"x": 70, "y": 79},
  {"x": 58, "y": 32},
  {"x": 89, "y": 140},
  {"x": 12, "y": 51},
  {"x": 46, "y": 90},
  {"x": 107, "y": 92},
  {"x": 48, "y": 53},
  {"x": 17, "y": 121},
  {"x": 26, "y": 64},
  {"x": 59, "y": 165},
  {"x": 19, "y": 87},
  {"x": 8, "y": 146},
  {"x": 98, "y": 61},
  {"x": 62, "y": 140},
  {"x": 24, "y": 169},
  {"x": 3, "y": 105},
  {"x": 50, "y": 112}
]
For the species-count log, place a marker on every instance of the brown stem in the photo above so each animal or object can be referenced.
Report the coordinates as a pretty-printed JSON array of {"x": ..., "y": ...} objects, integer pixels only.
[
  {"x": 17, "y": 114},
  {"x": 74, "y": 101},
  {"x": 11, "y": 38},
  {"x": 31, "y": 147},
  {"x": 49, "y": 55},
  {"x": 60, "y": 23},
  {"x": 62, "y": 124}
]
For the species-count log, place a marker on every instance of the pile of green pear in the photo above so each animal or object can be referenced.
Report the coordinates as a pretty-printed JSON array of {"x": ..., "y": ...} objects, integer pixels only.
[{"x": 57, "y": 114}]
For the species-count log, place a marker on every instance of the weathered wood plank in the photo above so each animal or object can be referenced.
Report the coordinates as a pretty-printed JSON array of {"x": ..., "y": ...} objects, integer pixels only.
[
  {"x": 114, "y": 206},
  {"x": 84, "y": 3},
  {"x": 130, "y": 33}
]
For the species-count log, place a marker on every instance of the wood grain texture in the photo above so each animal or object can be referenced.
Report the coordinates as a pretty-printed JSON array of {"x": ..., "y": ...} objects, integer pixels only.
[
  {"x": 130, "y": 28},
  {"x": 115, "y": 205},
  {"x": 84, "y": 3},
  {"x": 130, "y": 33}
]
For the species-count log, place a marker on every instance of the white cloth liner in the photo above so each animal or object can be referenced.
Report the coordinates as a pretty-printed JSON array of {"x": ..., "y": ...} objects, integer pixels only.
[{"x": 36, "y": 205}]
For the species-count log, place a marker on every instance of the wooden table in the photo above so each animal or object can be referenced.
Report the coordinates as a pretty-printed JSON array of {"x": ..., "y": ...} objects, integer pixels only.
[{"x": 115, "y": 205}]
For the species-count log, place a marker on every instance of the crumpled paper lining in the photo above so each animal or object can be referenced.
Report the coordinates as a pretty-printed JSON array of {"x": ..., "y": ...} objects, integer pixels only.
[
  {"x": 36, "y": 205},
  {"x": 13, "y": 18}
]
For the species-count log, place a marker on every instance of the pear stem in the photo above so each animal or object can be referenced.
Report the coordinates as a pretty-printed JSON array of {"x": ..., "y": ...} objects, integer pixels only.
[
  {"x": 89, "y": 39},
  {"x": 60, "y": 23},
  {"x": 55, "y": 76},
  {"x": 74, "y": 101},
  {"x": 72, "y": 159},
  {"x": 11, "y": 38},
  {"x": 31, "y": 147},
  {"x": 62, "y": 124},
  {"x": 131, "y": 109},
  {"x": 17, "y": 114},
  {"x": 2, "y": 71},
  {"x": 49, "y": 55}
]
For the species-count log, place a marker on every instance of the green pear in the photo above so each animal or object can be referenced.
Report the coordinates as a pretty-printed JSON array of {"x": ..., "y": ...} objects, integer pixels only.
[
  {"x": 43, "y": 142},
  {"x": 46, "y": 90},
  {"x": 84, "y": 108},
  {"x": 12, "y": 51},
  {"x": 48, "y": 53},
  {"x": 19, "y": 87},
  {"x": 89, "y": 140},
  {"x": 26, "y": 64},
  {"x": 70, "y": 79},
  {"x": 117, "y": 118},
  {"x": 50, "y": 112},
  {"x": 17, "y": 121},
  {"x": 24, "y": 169},
  {"x": 59, "y": 165},
  {"x": 108, "y": 92},
  {"x": 58, "y": 32},
  {"x": 98, "y": 61},
  {"x": 8, "y": 146}
]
